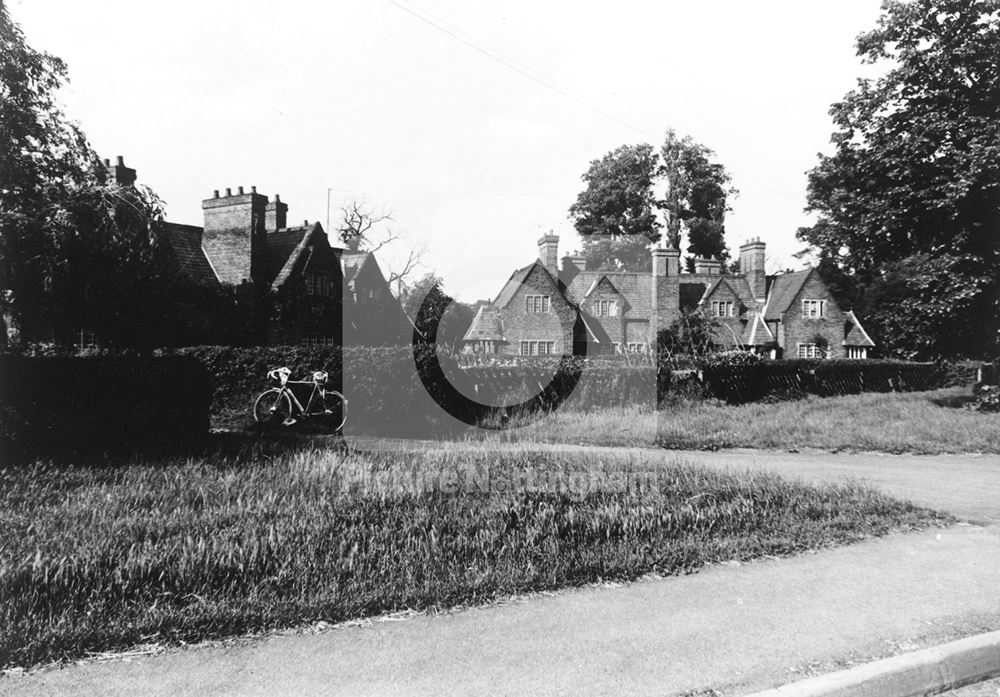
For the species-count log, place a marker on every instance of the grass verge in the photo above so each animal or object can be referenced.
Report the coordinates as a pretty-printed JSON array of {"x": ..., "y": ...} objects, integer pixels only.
[
  {"x": 913, "y": 422},
  {"x": 97, "y": 558}
]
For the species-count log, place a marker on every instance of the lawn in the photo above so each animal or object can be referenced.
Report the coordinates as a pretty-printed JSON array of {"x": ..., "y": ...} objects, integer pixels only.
[
  {"x": 911, "y": 422},
  {"x": 108, "y": 556}
]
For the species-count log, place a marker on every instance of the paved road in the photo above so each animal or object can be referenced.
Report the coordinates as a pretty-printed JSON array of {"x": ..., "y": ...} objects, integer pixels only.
[{"x": 727, "y": 627}]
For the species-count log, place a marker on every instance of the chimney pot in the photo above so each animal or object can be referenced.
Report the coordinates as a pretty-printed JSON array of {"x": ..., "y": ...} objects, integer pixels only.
[
  {"x": 121, "y": 161},
  {"x": 107, "y": 162},
  {"x": 277, "y": 199},
  {"x": 305, "y": 223},
  {"x": 253, "y": 189},
  {"x": 240, "y": 190},
  {"x": 215, "y": 193},
  {"x": 229, "y": 192}
]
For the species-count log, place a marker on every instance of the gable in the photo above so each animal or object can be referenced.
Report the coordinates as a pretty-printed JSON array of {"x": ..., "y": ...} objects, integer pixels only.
[
  {"x": 534, "y": 277},
  {"x": 635, "y": 288},
  {"x": 783, "y": 291},
  {"x": 292, "y": 260},
  {"x": 854, "y": 333}
]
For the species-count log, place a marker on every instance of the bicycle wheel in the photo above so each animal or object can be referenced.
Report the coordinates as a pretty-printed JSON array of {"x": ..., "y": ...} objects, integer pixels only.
[
  {"x": 334, "y": 409},
  {"x": 272, "y": 408}
]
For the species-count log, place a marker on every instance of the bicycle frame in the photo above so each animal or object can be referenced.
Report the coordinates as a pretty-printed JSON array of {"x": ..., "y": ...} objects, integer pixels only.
[{"x": 295, "y": 400}]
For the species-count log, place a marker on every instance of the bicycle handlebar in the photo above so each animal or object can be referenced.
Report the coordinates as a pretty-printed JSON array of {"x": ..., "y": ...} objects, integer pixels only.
[{"x": 282, "y": 374}]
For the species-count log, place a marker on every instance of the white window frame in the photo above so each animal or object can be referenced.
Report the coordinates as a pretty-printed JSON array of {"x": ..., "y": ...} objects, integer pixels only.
[
  {"x": 857, "y": 353},
  {"x": 537, "y": 304},
  {"x": 813, "y": 308},
  {"x": 636, "y": 347},
  {"x": 605, "y": 308},
  {"x": 810, "y": 350},
  {"x": 534, "y": 347},
  {"x": 723, "y": 308}
]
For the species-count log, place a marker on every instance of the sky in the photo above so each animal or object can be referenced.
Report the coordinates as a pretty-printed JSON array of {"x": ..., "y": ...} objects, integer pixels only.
[{"x": 470, "y": 122}]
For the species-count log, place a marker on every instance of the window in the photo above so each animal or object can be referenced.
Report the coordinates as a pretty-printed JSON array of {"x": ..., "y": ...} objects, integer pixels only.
[
  {"x": 318, "y": 284},
  {"x": 723, "y": 308},
  {"x": 371, "y": 293},
  {"x": 635, "y": 347},
  {"x": 536, "y": 303},
  {"x": 537, "y": 348},
  {"x": 811, "y": 351},
  {"x": 857, "y": 352},
  {"x": 606, "y": 308},
  {"x": 316, "y": 340},
  {"x": 617, "y": 346},
  {"x": 813, "y": 309}
]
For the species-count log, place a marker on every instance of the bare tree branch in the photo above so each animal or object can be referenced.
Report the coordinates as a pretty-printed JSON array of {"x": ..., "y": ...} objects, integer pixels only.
[{"x": 364, "y": 228}]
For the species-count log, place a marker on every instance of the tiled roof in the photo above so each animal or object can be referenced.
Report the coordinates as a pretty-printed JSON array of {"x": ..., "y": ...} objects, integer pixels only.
[
  {"x": 486, "y": 326},
  {"x": 296, "y": 253},
  {"x": 185, "y": 241},
  {"x": 280, "y": 245},
  {"x": 691, "y": 294},
  {"x": 782, "y": 292},
  {"x": 514, "y": 283},
  {"x": 353, "y": 262},
  {"x": 634, "y": 286},
  {"x": 757, "y": 332},
  {"x": 855, "y": 335}
]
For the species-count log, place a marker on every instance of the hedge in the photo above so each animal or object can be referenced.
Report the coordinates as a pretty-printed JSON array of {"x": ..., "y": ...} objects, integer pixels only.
[
  {"x": 601, "y": 384},
  {"x": 384, "y": 393},
  {"x": 57, "y": 404},
  {"x": 751, "y": 383}
]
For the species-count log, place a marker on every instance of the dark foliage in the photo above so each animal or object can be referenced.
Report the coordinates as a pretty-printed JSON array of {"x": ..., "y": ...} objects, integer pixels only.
[
  {"x": 76, "y": 404},
  {"x": 909, "y": 203},
  {"x": 765, "y": 381}
]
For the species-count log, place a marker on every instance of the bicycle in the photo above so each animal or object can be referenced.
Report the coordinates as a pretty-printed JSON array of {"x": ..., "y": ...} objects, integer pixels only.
[{"x": 279, "y": 406}]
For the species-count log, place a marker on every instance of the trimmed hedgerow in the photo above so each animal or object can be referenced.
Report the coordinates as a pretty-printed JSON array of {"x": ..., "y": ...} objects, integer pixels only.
[
  {"x": 751, "y": 383},
  {"x": 60, "y": 403},
  {"x": 382, "y": 384}
]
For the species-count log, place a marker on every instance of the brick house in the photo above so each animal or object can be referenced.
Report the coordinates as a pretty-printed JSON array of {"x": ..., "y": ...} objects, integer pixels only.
[
  {"x": 252, "y": 278},
  {"x": 543, "y": 309}
]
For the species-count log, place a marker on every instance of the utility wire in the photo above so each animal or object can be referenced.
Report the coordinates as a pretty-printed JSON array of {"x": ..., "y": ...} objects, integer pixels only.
[{"x": 546, "y": 82}]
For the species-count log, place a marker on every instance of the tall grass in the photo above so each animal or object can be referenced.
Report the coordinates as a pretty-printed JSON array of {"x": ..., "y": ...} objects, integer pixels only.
[
  {"x": 103, "y": 557},
  {"x": 915, "y": 422}
]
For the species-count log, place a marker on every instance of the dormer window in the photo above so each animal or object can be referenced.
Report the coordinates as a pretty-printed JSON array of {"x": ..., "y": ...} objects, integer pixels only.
[
  {"x": 606, "y": 308},
  {"x": 723, "y": 308}
]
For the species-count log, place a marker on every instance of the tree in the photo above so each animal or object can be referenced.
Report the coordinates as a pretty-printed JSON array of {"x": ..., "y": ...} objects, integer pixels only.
[
  {"x": 359, "y": 224},
  {"x": 615, "y": 214},
  {"x": 909, "y": 201},
  {"x": 697, "y": 197},
  {"x": 75, "y": 250},
  {"x": 42, "y": 155},
  {"x": 449, "y": 318}
]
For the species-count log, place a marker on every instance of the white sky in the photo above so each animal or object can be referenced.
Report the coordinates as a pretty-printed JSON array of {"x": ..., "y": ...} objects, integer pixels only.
[{"x": 473, "y": 158}]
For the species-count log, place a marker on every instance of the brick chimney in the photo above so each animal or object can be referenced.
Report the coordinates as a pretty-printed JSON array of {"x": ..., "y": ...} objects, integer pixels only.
[
  {"x": 118, "y": 173},
  {"x": 711, "y": 267},
  {"x": 666, "y": 261},
  {"x": 572, "y": 265},
  {"x": 234, "y": 238},
  {"x": 275, "y": 215},
  {"x": 752, "y": 266},
  {"x": 548, "y": 253}
]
